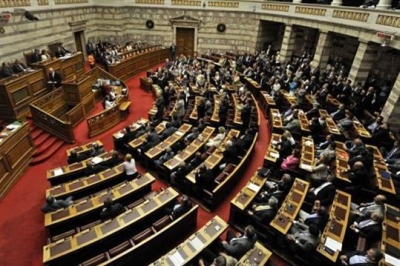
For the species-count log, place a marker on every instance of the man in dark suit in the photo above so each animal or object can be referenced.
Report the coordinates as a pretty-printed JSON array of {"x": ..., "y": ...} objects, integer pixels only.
[
  {"x": 340, "y": 113},
  {"x": 36, "y": 56},
  {"x": 181, "y": 207},
  {"x": 369, "y": 227},
  {"x": 54, "y": 78},
  {"x": 178, "y": 176},
  {"x": 172, "y": 50},
  {"x": 53, "y": 204},
  {"x": 284, "y": 148},
  {"x": 393, "y": 154},
  {"x": 264, "y": 213},
  {"x": 111, "y": 210},
  {"x": 19, "y": 67},
  {"x": 74, "y": 157},
  {"x": 324, "y": 193},
  {"x": 230, "y": 155},
  {"x": 92, "y": 169},
  {"x": 354, "y": 147},
  {"x": 96, "y": 150},
  {"x": 6, "y": 70},
  {"x": 113, "y": 161},
  {"x": 204, "y": 179},
  {"x": 370, "y": 257},
  {"x": 168, "y": 131},
  {"x": 236, "y": 245}
]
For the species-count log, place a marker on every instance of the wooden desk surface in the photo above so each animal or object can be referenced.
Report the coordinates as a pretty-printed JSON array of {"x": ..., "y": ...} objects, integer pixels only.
[
  {"x": 134, "y": 127},
  {"x": 68, "y": 169},
  {"x": 195, "y": 244},
  {"x": 307, "y": 154},
  {"x": 169, "y": 141},
  {"x": 66, "y": 189},
  {"x": 248, "y": 192},
  {"x": 191, "y": 149},
  {"x": 258, "y": 255},
  {"x": 303, "y": 122},
  {"x": 268, "y": 98},
  {"x": 390, "y": 243},
  {"x": 85, "y": 147},
  {"x": 341, "y": 161},
  {"x": 215, "y": 114},
  {"x": 139, "y": 140},
  {"x": 330, "y": 123},
  {"x": 237, "y": 119},
  {"x": 291, "y": 206},
  {"x": 66, "y": 247},
  {"x": 385, "y": 183},
  {"x": 359, "y": 127},
  {"x": 272, "y": 154},
  {"x": 337, "y": 223},
  {"x": 333, "y": 100},
  {"x": 193, "y": 114},
  {"x": 275, "y": 116},
  {"x": 215, "y": 158},
  {"x": 291, "y": 99},
  {"x": 94, "y": 203}
]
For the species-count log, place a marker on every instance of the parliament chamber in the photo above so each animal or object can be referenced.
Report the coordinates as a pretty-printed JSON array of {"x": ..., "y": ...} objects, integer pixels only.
[{"x": 200, "y": 132}]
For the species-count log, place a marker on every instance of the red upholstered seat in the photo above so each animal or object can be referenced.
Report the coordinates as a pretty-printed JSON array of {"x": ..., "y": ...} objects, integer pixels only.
[
  {"x": 163, "y": 222},
  {"x": 142, "y": 236},
  {"x": 121, "y": 248},
  {"x": 96, "y": 260}
]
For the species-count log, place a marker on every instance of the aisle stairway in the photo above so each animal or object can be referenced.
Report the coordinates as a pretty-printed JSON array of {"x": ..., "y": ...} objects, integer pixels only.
[{"x": 45, "y": 143}]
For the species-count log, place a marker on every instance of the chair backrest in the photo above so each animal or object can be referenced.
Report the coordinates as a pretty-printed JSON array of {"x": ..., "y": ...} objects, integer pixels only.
[
  {"x": 121, "y": 248},
  {"x": 163, "y": 222},
  {"x": 136, "y": 203},
  {"x": 95, "y": 260},
  {"x": 142, "y": 236},
  {"x": 229, "y": 168}
]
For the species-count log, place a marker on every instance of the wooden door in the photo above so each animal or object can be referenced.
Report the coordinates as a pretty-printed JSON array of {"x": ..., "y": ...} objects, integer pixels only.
[
  {"x": 78, "y": 41},
  {"x": 185, "y": 41}
]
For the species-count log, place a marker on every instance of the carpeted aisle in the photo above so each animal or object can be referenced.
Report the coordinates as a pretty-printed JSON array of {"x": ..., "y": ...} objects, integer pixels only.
[{"x": 22, "y": 233}]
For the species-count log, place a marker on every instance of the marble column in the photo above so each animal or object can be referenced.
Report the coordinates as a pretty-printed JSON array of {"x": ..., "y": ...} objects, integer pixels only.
[
  {"x": 337, "y": 3},
  {"x": 323, "y": 50},
  {"x": 391, "y": 109},
  {"x": 289, "y": 39},
  {"x": 363, "y": 61},
  {"x": 384, "y": 4}
]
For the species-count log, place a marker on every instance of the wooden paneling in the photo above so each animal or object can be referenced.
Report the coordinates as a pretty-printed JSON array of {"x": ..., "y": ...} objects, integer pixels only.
[
  {"x": 76, "y": 115},
  {"x": 19, "y": 151}
]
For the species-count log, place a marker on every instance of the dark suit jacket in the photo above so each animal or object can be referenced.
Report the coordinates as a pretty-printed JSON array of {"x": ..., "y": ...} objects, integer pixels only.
[
  {"x": 339, "y": 115},
  {"x": 325, "y": 195},
  {"x": 18, "y": 68},
  {"x": 372, "y": 233},
  {"x": 110, "y": 213},
  {"x": 205, "y": 180},
  {"x": 264, "y": 217},
  {"x": 56, "y": 78},
  {"x": 239, "y": 246},
  {"x": 319, "y": 221},
  {"x": 182, "y": 209}
]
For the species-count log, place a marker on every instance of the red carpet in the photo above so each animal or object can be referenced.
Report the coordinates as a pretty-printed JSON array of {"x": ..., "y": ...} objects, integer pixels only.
[{"x": 21, "y": 221}]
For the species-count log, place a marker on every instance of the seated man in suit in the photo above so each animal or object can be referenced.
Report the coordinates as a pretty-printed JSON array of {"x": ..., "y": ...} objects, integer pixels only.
[
  {"x": 192, "y": 136},
  {"x": 19, "y": 67},
  {"x": 340, "y": 113},
  {"x": 369, "y": 227},
  {"x": 354, "y": 147},
  {"x": 371, "y": 257},
  {"x": 168, "y": 131},
  {"x": 278, "y": 190},
  {"x": 182, "y": 206},
  {"x": 54, "y": 78},
  {"x": 204, "y": 179},
  {"x": 152, "y": 139},
  {"x": 113, "y": 161},
  {"x": 165, "y": 157},
  {"x": 318, "y": 216},
  {"x": 306, "y": 238},
  {"x": 96, "y": 150},
  {"x": 324, "y": 193},
  {"x": 230, "y": 155},
  {"x": 111, "y": 210},
  {"x": 236, "y": 245},
  {"x": 293, "y": 126},
  {"x": 178, "y": 176},
  {"x": 365, "y": 209},
  {"x": 74, "y": 157},
  {"x": 6, "y": 70},
  {"x": 393, "y": 154},
  {"x": 53, "y": 204},
  {"x": 264, "y": 213}
]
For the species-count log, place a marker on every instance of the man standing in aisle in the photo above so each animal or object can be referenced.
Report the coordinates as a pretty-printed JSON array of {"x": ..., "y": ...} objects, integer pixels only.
[{"x": 172, "y": 50}]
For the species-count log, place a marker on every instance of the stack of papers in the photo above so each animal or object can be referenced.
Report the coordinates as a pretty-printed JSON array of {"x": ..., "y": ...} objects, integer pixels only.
[
  {"x": 97, "y": 160},
  {"x": 179, "y": 133},
  {"x": 58, "y": 171},
  {"x": 176, "y": 259},
  {"x": 196, "y": 243},
  {"x": 12, "y": 127},
  {"x": 119, "y": 135},
  {"x": 253, "y": 187},
  {"x": 306, "y": 167},
  {"x": 333, "y": 244},
  {"x": 391, "y": 260}
]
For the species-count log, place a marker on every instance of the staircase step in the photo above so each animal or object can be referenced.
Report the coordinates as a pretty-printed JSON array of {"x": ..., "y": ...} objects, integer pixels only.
[
  {"x": 45, "y": 146},
  {"x": 48, "y": 152},
  {"x": 40, "y": 138},
  {"x": 36, "y": 132}
]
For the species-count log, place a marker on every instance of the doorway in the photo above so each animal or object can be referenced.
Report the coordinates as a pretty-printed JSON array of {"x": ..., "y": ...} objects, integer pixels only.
[
  {"x": 79, "y": 42},
  {"x": 185, "y": 41}
]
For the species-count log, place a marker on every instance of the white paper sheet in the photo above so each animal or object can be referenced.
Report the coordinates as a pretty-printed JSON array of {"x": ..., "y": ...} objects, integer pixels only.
[
  {"x": 119, "y": 135},
  {"x": 306, "y": 167},
  {"x": 179, "y": 133},
  {"x": 274, "y": 155},
  {"x": 176, "y": 259},
  {"x": 196, "y": 243},
  {"x": 58, "y": 171},
  {"x": 308, "y": 143},
  {"x": 97, "y": 160},
  {"x": 253, "y": 187},
  {"x": 333, "y": 244},
  {"x": 391, "y": 260}
]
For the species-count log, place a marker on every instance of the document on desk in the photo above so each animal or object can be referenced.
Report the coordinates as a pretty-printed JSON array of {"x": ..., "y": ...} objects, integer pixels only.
[
  {"x": 179, "y": 133},
  {"x": 176, "y": 259},
  {"x": 333, "y": 244},
  {"x": 119, "y": 135},
  {"x": 253, "y": 187},
  {"x": 196, "y": 243},
  {"x": 274, "y": 155},
  {"x": 306, "y": 167},
  {"x": 391, "y": 260},
  {"x": 58, "y": 171},
  {"x": 96, "y": 160}
]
